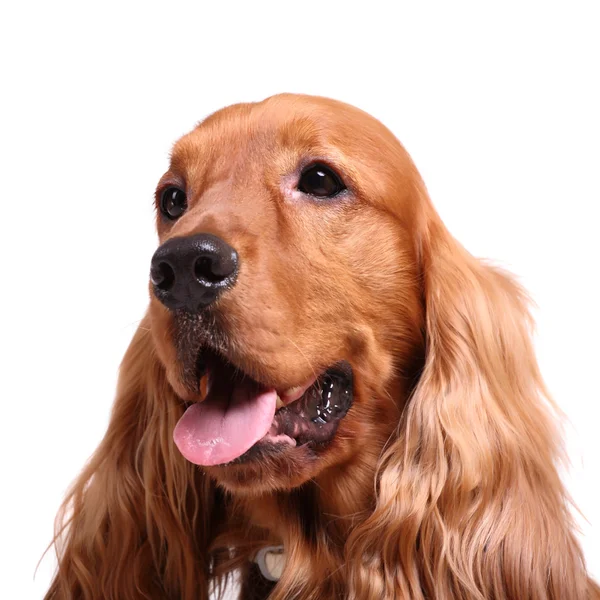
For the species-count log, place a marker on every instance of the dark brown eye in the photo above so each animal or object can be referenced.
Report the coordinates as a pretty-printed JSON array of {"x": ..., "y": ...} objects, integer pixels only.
[
  {"x": 320, "y": 181},
  {"x": 173, "y": 203}
]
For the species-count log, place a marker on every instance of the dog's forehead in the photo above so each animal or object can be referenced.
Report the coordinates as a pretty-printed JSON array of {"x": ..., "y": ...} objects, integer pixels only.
[
  {"x": 242, "y": 142},
  {"x": 286, "y": 122}
]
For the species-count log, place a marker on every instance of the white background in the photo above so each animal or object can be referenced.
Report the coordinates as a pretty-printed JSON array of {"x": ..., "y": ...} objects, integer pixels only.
[{"x": 498, "y": 106}]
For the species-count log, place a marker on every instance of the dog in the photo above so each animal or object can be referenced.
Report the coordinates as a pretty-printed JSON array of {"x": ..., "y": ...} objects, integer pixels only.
[{"x": 328, "y": 396}]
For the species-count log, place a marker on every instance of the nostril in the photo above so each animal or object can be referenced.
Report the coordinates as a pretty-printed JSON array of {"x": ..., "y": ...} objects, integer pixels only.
[
  {"x": 163, "y": 276},
  {"x": 206, "y": 269},
  {"x": 190, "y": 272}
]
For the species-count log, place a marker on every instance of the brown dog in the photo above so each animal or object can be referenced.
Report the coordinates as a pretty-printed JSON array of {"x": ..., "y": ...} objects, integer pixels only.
[{"x": 354, "y": 385}]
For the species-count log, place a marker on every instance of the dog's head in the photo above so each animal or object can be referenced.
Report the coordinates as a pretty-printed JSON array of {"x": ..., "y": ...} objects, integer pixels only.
[
  {"x": 305, "y": 287},
  {"x": 285, "y": 295}
]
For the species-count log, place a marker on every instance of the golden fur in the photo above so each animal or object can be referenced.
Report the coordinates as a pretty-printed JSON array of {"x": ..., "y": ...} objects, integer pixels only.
[{"x": 441, "y": 482}]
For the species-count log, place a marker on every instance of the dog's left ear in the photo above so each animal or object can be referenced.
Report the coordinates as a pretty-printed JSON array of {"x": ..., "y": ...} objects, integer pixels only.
[{"x": 469, "y": 501}]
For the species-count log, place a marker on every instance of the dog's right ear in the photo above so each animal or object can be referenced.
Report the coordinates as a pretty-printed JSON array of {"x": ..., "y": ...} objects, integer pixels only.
[{"x": 139, "y": 521}]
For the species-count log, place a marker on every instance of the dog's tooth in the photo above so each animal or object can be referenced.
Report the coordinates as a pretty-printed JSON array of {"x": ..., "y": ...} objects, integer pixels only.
[
  {"x": 279, "y": 403},
  {"x": 292, "y": 391}
]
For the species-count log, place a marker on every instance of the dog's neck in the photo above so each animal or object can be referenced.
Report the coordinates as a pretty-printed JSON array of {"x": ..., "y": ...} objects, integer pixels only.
[
  {"x": 321, "y": 513},
  {"x": 314, "y": 522},
  {"x": 330, "y": 504}
]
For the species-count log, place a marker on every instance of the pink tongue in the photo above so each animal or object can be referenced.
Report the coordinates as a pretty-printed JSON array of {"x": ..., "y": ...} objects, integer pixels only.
[{"x": 216, "y": 431}]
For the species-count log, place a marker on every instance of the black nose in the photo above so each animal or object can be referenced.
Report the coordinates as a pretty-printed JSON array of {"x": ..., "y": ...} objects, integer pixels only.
[{"x": 190, "y": 272}]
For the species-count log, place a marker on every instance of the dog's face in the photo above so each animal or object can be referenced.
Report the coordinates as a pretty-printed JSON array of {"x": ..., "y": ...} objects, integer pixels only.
[{"x": 285, "y": 295}]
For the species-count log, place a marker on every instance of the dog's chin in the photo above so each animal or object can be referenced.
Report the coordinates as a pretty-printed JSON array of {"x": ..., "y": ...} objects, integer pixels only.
[{"x": 271, "y": 468}]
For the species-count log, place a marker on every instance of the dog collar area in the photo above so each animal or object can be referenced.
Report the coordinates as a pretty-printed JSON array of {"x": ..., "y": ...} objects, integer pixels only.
[{"x": 270, "y": 561}]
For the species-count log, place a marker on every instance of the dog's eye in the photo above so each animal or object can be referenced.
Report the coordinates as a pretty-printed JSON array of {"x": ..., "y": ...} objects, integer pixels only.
[
  {"x": 173, "y": 203},
  {"x": 320, "y": 181}
]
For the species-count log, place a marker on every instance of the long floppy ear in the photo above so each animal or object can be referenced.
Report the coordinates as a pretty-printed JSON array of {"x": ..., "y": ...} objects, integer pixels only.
[
  {"x": 469, "y": 501},
  {"x": 139, "y": 520}
]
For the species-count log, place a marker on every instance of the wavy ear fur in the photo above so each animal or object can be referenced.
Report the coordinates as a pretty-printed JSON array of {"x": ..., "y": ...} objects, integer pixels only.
[
  {"x": 469, "y": 501},
  {"x": 139, "y": 520}
]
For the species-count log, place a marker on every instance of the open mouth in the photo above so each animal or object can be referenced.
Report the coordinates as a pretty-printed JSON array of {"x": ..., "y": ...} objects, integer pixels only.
[{"x": 239, "y": 414}]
